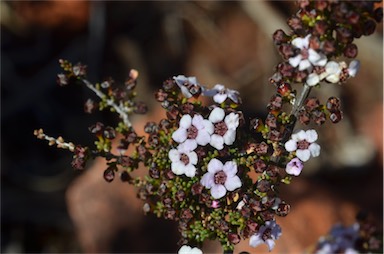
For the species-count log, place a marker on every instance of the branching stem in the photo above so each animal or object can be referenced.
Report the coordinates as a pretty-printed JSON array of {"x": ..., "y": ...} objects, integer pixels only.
[{"x": 123, "y": 112}]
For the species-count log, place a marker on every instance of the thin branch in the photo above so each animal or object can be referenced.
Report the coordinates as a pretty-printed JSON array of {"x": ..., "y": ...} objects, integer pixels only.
[{"x": 121, "y": 110}]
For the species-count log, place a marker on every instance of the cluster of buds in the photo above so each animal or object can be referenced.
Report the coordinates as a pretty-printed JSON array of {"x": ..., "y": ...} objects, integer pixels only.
[{"x": 212, "y": 169}]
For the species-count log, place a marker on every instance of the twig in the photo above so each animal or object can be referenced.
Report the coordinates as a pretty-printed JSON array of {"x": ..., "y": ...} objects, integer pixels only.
[{"x": 121, "y": 110}]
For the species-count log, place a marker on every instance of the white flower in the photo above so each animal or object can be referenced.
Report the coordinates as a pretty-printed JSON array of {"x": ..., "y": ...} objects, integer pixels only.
[
  {"x": 267, "y": 234},
  {"x": 197, "y": 129},
  {"x": 303, "y": 143},
  {"x": 334, "y": 70},
  {"x": 313, "y": 79},
  {"x": 307, "y": 56},
  {"x": 185, "y": 83},
  {"x": 224, "y": 128},
  {"x": 185, "y": 249},
  {"x": 220, "y": 94},
  {"x": 183, "y": 159},
  {"x": 221, "y": 178}
]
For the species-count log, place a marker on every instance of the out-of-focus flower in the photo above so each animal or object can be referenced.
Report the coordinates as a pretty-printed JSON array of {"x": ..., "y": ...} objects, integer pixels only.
[
  {"x": 267, "y": 234},
  {"x": 185, "y": 249},
  {"x": 196, "y": 129},
  {"x": 224, "y": 128},
  {"x": 307, "y": 56},
  {"x": 294, "y": 167},
  {"x": 220, "y": 94},
  {"x": 341, "y": 239},
  {"x": 221, "y": 178},
  {"x": 184, "y": 159},
  {"x": 187, "y": 85},
  {"x": 303, "y": 142}
]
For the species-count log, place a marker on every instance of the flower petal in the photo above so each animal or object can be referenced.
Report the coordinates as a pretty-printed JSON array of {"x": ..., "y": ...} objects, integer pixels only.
[
  {"x": 311, "y": 136},
  {"x": 314, "y": 149},
  {"x": 220, "y": 97},
  {"x": 174, "y": 155},
  {"x": 301, "y": 135},
  {"x": 178, "y": 168},
  {"x": 192, "y": 158},
  {"x": 207, "y": 180},
  {"x": 216, "y": 115},
  {"x": 190, "y": 170},
  {"x": 214, "y": 166},
  {"x": 218, "y": 191},
  {"x": 230, "y": 168},
  {"x": 290, "y": 145},
  {"x": 186, "y": 121},
  {"x": 233, "y": 183},
  {"x": 301, "y": 43},
  {"x": 295, "y": 61},
  {"x": 255, "y": 240},
  {"x": 229, "y": 137},
  {"x": 270, "y": 243},
  {"x": 187, "y": 146},
  {"x": 353, "y": 68},
  {"x": 303, "y": 155},
  {"x": 203, "y": 138},
  {"x": 180, "y": 135},
  {"x": 197, "y": 121},
  {"x": 232, "y": 120},
  {"x": 208, "y": 126},
  {"x": 217, "y": 141},
  {"x": 304, "y": 64},
  {"x": 313, "y": 79}
]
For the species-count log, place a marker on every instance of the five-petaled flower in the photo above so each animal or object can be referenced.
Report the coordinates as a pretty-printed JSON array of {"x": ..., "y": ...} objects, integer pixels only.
[
  {"x": 307, "y": 56},
  {"x": 220, "y": 94},
  {"x": 224, "y": 128},
  {"x": 303, "y": 142},
  {"x": 220, "y": 178},
  {"x": 294, "y": 167},
  {"x": 184, "y": 159},
  {"x": 188, "y": 85},
  {"x": 196, "y": 129},
  {"x": 267, "y": 234}
]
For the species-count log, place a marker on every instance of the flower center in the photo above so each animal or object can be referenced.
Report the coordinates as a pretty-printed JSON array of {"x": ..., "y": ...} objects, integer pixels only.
[
  {"x": 267, "y": 234},
  {"x": 220, "y": 177},
  {"x": 303, "y": 144},
  {"x": 184, "y": 158},
  {"x": 192, "y": 132},
  {"x": 304, "y": 53},
  {"x": 220, "y": 128}
]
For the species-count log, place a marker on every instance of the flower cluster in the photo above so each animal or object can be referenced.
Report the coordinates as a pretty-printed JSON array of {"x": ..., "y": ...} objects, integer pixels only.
[
  {"x": 360, "y": 237},
  {"x": 212, "y": 169}
]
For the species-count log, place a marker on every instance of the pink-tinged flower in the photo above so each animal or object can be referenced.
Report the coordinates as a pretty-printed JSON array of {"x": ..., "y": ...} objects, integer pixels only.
[
  {"x": 267, "y": 234},
  {"x": 187, "y": 85},
  {"x": 183, "y": 159},
  {"x": 224, "y": 128},
  {"x": 294, "y": 167},
  {"x": 307, "y": 56},
  {"x": 221, "y": 178},
  {"x": 185, "y": 249},
  {"x": 220, "y": 94},
  {"x": 197, "y": 129},
  {"x": 303, "y": 142}
]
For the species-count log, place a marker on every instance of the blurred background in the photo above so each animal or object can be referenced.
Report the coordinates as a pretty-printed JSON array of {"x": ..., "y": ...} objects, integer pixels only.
[{"x": 48, "y": 207}]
